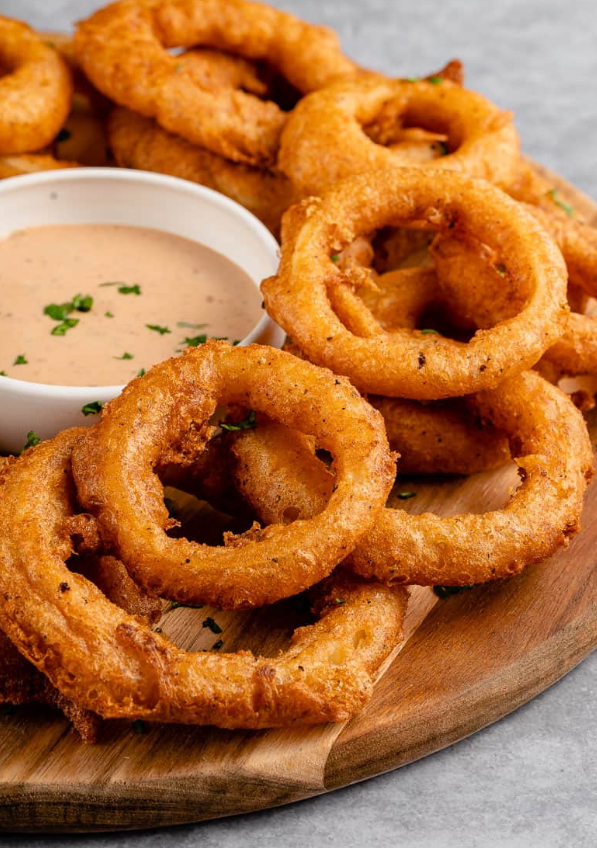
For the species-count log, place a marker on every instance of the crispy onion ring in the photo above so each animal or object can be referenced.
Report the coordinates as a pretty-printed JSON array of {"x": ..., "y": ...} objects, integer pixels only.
[
  {"x": 139, "y": 142},
  {"x": 123, "y": 49},
  {"x": 408, "y": 363},
  {"x": 179, "y": 396},
  {"x": 110, "y": 662},
  {"x": 36, "y": 92},
  {"x": 482, "y": 141},
  {"x": 540, "y": 517}
]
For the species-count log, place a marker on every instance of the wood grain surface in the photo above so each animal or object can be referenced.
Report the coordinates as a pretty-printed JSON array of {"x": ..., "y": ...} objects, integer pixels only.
[{"x": 466, "y": 661}]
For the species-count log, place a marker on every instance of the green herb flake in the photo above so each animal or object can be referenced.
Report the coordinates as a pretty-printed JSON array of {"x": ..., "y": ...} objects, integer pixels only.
[
  {"x": 3, "y": 374},
  {"x": 139, "y": 726},
  {"x": 21, "y": 359},
  {"x": 248, "y": 423},
  {"x": 405, "y": 496},
  {"x": 82, "y": 302},
  {"x": 111, "y": 283},
  {"x": 213, "y": 625},
  {"x": 157, "y": 329},
  {"x": 109, "y": 314},
  {"x": 187, "y": 325},
  {"x": 412, "y": 79},
  {"x": 129, "y": 289},
  {"x": 429, "y": 332},
  {"x": 177, "y": 604},
  {"x": 569, "y": 210},
  {"x": 217, "y": 645},
  {"x": 339, "y": 601},
  {"x": 194, "y": 341},
  {"x": 67, "y": 324},
  {"x": 446, "y": 591},
  {"x": 141, "y": 372},
  {"x": 125, "y": 355},
  {"x": 32, "y": 440},
  {"x": 57, "y": 311},
  {"x": 435, "y": 80},
  {"x": 93, "y": 408},
  {"x": 501, "y": 269},
  {"x": 335, "y": 257}
]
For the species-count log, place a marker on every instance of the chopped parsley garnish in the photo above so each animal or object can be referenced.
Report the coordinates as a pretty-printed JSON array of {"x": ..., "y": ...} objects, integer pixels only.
[
  {"x": 141, "y": 372},
  {"x": 125, "y": 355},
  {"x": 339, "y": 601},
  {"x": 213, "y": 625},
  {"x": 139, "y": 726},
  {"x": 248, "y": 423},
  {"x": 569, "y": 210},
  {"x": 109, "y": 314},
  {"x": 123, "y": 288},
  {"x": 194, "y": 341},
  {"x": 429, "y": 332},
  {"x": 217, "y": 645},
  {"x": 60, "y": 311},
  {"x": 21, "y": 360},
  {"x": 3, "y": 374},
  {"x": 32, "y": 440},
  {"x": 93, "y": 408},
  {"x": 501, "y": 269},
  {"x": 67, "y": 324},
  {"x": 335, "y": 257},
  {"x": 187, "y": 325},
  {"x": 177, "y": 604},
  {"x": 435, "y": 80},
  {"x": 405, "y": 496},
  {"x": 157, "y": 329},
  {"x": 446, "y": 591},
  {"x": 412, "y": 79}
]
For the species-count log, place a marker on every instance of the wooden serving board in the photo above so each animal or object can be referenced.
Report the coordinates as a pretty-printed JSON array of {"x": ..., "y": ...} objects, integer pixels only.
[{"x": 466, "y": 661}]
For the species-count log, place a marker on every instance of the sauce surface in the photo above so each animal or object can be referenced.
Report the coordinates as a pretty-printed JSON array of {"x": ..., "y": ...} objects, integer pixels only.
[{"x": 120, "y": 299}]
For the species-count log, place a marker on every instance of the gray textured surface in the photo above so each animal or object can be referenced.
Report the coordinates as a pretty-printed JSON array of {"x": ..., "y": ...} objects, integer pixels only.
[{"x": 529, "y": 781}]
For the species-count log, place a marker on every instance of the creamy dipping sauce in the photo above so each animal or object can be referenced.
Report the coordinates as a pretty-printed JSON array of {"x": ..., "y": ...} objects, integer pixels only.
[{"x": 120, "y": 299}]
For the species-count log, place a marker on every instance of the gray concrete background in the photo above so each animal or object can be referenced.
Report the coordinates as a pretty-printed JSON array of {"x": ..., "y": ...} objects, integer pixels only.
[{"x": 529, "y": 781}]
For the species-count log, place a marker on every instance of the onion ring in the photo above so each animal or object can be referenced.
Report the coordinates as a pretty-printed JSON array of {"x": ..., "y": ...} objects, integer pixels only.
[
  {"x": 541, "y": 516},
  {"x": 407, "y": 363},
  {"x": 110, "y": 662},
  {"x": 36, "y": 92},
  {"x": 123, "y": 50},
  {"x": 482, "y": 141},
  {"x": 155, "y": 411},
  {"x": 138, "y": 142}
]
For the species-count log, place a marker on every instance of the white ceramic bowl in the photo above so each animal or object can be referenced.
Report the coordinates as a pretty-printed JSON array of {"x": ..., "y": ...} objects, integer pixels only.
[{"x": 138, "y": 198}]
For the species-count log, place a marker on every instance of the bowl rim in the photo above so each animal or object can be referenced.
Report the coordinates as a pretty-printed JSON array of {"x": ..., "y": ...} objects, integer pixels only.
[{"x": 46, "y": 390}]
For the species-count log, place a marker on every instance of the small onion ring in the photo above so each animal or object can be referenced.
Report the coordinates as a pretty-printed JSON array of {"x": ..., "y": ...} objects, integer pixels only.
[
  {"x": 35, "y": 94},
  {"x": 123, "y": 49},
  {"x": 139, "y": 142},
  {"x": 482, "y": 139},
  {"x": 540, "y": 517},
  {"x": 139, "y": 429},
  {"x": 112, "y": 663},
  {"x": 407, "y": 363}
]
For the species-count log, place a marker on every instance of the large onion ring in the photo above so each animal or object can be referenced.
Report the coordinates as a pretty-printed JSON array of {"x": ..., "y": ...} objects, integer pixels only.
[
  {"x": 139, "y": 142},
  {"x": 110, "y": 662},
  {"x": 482, "y": 141},
  {"x": 540, "y": 517},
  {"x": 123, "y": 49},
  {"x": 407, "y": 363},
  {"x": 113, "y": 472},
  {"x": 36, "y": 92}
]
